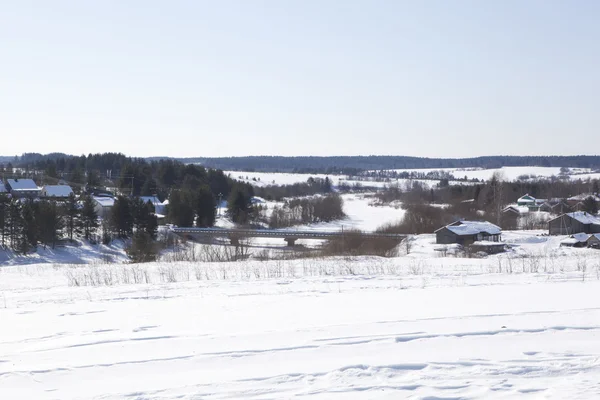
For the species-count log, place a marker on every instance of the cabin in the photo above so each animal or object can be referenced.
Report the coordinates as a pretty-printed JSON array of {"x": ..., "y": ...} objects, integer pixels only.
[
  {"x": 577, "y": 201},
  {"x": 576, "y": 240},
  {"x": 103, "y": 205},
  {"x": 56, "y": 192},
  {"x": 468, "y": 232},
  {"x": 560, "y": 206},
  {"x": 159, "y": 207},
  {"x": 530, "y": 202},
  {"x": 22, "y": 188},
  {"x": 574, "y": 222}
]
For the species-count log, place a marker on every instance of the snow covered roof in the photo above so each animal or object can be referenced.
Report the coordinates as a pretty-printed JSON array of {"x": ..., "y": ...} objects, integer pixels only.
[
  {"x": 462, "y": 228},
  {"x": 583, "y": 196},
  {"x": 516, "y": 208},
  {"x": 580, "y": 237},
  {"x": 57, "y": 191},
  {"x": 594, "y": 235},
  {"x": 104, "y": 201},
  {"x": 152, "y": 199},
  {"x": 584, "y": 217},
  {"x": 22, "y": 184},
  {"x": 526, "y": 199}
]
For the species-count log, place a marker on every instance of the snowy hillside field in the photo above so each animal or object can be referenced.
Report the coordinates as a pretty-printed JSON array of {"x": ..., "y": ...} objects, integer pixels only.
[{"x": 418, "y": 326}]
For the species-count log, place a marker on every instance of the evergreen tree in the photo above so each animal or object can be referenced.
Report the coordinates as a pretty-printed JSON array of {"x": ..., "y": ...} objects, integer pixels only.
[
  {"x": 29, "y": 234},
  {"x": 49, "y": 222},
  {"x": 89, "y": 217},
  {"x": 590, "y": 205},
  {"x": 206, "y": 207},
  {"x": 121, "y": 217},
  {"x": 72, "y": 216},
  {"x": 239, "y": 204},
  {"x": 180, "y": 211},
  {"x": 4, "y": 218},
  {"x": 142, "y": 248},
  {"x": 144, "y": 218}
]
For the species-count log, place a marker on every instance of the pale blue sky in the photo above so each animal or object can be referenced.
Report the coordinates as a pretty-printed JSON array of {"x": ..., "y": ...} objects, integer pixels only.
[{"x": 231, "y": 78}]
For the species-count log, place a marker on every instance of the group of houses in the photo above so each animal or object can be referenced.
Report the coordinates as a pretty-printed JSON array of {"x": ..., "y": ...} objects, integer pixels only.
[
  {"x": 24, "y": 188},
  {"x": 527, "y": 204},
  {"x": 582, "y": 228},
  {"x": 27, "y": 189}
]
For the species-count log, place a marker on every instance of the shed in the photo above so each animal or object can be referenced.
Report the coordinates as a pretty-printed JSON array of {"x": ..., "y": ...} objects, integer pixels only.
[
  {"x": 103, "y": 205},
  {"x": 576, "y": 240},
  {"x": 594, "y": 241}
]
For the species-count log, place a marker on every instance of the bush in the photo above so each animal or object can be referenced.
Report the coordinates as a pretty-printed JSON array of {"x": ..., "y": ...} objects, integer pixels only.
[
  {"x": 142, "y": 248},
  {"x": 354, "y": 243}
]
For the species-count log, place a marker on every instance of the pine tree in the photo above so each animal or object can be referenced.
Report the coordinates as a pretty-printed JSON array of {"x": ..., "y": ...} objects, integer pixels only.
[
  {"x": 144, "y": 219},
  {"x": 72, "y": 216},
  {"x": 180, "y": 211},
  {"x": 29, "y": 234},
  {"x": 121, "y": 217},
  {"x": 239, "y": 205},
  {"x": 206, "y": 207},
  {"x": 49, "y": 222},
  {"x": 89, "y": 217},
  {"x": 4, "y": 218}
]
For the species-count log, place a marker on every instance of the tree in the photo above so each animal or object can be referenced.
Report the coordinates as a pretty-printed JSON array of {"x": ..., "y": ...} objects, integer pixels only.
[
  {"x": 4, "y": 204},
  {"x": 29, "y": 234},
  {"x": 89, "y": 217},
  {"x": 143, "y": 248},
  {"x": 206, "y": 207},
  {"x": 144, "y": 219},
  {"x": 121, "y": 217},
  {"x": 72, "y": 216},
  {"x": 49, "y": 222},
  {"x": 180, "y": 210},
  {"x": 239, "y": 205},
  {"x": 590, "y": 205}
]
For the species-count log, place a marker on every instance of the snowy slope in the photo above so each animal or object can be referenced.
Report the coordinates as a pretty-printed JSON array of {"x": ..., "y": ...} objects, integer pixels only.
[{"x": 454, "y": 333}]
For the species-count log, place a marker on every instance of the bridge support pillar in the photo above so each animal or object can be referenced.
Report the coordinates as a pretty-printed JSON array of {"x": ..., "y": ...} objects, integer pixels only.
[
  {"x": 291, "y": 241},
  {"x": 234, "y": 240}
]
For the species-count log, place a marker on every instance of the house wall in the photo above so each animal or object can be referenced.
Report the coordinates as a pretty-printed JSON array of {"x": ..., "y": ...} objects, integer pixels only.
[
  {"x": 593, "y": 241},
  {"x": 445, "y": 236},
  {"x": 565, "y": 225}
]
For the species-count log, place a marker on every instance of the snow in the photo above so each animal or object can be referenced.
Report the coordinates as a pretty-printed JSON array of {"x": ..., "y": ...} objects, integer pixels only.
[
  {"x": 400, "y": 328},
  {"x": 57, "y": 191}
]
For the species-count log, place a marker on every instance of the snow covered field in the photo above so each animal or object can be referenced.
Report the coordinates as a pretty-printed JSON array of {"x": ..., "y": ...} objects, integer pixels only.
[
  {"x": 509, "y": 173},
  {"x": 409, "y": 327}
]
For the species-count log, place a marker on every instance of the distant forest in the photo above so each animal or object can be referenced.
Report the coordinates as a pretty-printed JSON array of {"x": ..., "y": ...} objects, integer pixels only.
[
  {"x": 348, "y": 164},
  {"x": 354, "y": 164}
]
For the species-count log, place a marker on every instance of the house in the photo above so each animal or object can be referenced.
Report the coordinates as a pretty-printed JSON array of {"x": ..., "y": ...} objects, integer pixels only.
[
  {"x": 56, "y": 192},
  {"x": 103, "y": 205},
  {"x": 23, "y": 188},
  {"x": 3, "y": 188},
  {"x": 468, "y": 232},
  {"x": 594, "y": 241},
  {"x": 576, "y": 240},
  {"x": 576, "y": 202},
  {"x": 530, "y": 202},
  {"x": 574, "y": 222}
]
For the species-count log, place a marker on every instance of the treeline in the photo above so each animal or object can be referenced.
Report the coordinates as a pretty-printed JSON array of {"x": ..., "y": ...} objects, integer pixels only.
[
  {"x": 125, "y": 175},
  {"x": 26, "y": 224},
  {"x": 307, "y": 211},
  {"x": 311, "y": 187},
  {"x": 351, "y": 165}
]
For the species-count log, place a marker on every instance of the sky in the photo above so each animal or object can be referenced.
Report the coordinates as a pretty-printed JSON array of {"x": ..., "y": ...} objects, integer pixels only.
[{"x": 304, "y": 77}]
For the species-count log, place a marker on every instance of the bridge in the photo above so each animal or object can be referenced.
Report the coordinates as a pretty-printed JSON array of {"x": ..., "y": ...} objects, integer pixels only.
[{"x": 290, "y": 236}]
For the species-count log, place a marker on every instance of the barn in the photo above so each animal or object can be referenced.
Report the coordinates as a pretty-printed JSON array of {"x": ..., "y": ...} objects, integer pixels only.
[
  {"x": 575, "y": 222},
  {"x": 468, "y": 232}
]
